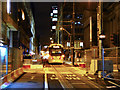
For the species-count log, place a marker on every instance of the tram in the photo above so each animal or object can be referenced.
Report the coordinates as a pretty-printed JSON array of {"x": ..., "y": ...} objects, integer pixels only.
[{"x": 56, "y": 54}]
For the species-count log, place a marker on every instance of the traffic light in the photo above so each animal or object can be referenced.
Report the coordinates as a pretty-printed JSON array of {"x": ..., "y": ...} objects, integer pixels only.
[
  {"x": 111, "y": 37},
  {"x": 115, "y": 39}
]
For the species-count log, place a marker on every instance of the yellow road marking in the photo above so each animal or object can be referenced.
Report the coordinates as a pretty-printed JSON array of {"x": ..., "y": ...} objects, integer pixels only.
[
  {"x": 114, "y": 83},
  {"x": 32, "y": 77}
]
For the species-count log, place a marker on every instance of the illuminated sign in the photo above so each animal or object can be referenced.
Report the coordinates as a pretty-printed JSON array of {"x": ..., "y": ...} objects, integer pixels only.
[
  {"x": 81, "y": 44},
  {"x": 51, "y": 14},
  {"x": 56, "y": 46},
  {"x": 53, "y": 27},
  {"x": 54, "y": 19},
  {"x": 55, "y": 11},
  {"x": 68, "y": 44}
]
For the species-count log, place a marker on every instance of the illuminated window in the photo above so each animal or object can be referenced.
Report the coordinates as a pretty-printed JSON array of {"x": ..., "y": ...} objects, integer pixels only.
[
  {"x": 79, "y": 23},
  {"x": 54, "y": 19},
  {"x": 23, "y": 15},
  {"x": 53, "y": 27},
  {"x": 55, "y": 11},
  {"x": 82, "y": 24},
  {"x": 45, "y": 46},
  {"x": 51, "y": 14},
  {"x": 68, "y": 44},
  {"x": 81, "y": 44},
  {"x": 68, "y": 16},
  {"x": 55, "y": 15},
  {"x": 18, "y": 19}
]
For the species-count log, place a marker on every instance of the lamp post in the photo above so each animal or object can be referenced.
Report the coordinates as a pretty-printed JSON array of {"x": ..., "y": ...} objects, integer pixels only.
[
  {"x": 61, "y": 28},
  {"x": 102, "y": 37},
  {"x": 52, "y": 41}
]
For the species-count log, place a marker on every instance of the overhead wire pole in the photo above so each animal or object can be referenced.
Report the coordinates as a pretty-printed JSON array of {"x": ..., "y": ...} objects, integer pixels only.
[
  {"x": 100, "y": 26},
  {"x": 90, "y": 31},
  {"x": 73, "y": 27}
]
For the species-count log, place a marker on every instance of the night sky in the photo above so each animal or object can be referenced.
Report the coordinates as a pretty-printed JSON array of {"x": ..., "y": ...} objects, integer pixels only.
[{"x": 41, "y": 13}]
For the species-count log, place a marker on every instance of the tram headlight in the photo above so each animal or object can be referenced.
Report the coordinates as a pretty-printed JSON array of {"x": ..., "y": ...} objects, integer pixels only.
[{"x": 63, "y": 55}]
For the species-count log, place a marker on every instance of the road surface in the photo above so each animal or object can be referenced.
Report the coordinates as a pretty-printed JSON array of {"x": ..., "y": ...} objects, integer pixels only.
[{"x": 59, "y": 77}]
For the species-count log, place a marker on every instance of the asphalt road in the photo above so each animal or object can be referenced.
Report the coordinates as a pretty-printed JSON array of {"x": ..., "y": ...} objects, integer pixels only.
[
  {"x": 28, "y": 81},
  {"x": 59, "y": 77}
]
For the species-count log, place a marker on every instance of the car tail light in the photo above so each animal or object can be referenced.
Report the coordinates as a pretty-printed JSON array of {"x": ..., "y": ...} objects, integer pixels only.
[
  {"x": 60, "y": 58},
  {"x": 52, "y": 58}
]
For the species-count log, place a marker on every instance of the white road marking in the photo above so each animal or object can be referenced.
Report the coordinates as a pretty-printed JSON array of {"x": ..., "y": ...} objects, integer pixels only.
[
  {"x": 32, "y": 77},
  {"x": 74, "y": 75},
  {"x": 110, "y": 86},
  {"x": 114, "y": 83},
  {"x": 78, "y": 78},
  {"x": 46, "y": 82}
]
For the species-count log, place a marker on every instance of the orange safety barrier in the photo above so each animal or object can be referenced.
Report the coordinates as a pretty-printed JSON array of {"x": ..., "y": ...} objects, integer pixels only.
[
  {"x": 4, "y": 79},
  {"x": 26, "y": 66},
  {"x": 7, "y": 79},
  {"x": 21, "y": 70},
  {"x": 83, "y": 65},
  {"x": 12, "y": 76}
]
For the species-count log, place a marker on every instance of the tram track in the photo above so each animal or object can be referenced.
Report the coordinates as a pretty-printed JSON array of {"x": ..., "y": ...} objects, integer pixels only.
[
  {"x": 62, "y": 80},
  {"x": 73, "y": 80},
  {"x": 90, "y": 83}
]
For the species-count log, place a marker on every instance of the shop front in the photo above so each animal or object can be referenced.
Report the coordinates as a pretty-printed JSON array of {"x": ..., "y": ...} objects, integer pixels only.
[{"x": 3, "y": 60}]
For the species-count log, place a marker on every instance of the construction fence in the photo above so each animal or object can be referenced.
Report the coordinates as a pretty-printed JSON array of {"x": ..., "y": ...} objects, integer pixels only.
[{"x": 109, "y": 54}]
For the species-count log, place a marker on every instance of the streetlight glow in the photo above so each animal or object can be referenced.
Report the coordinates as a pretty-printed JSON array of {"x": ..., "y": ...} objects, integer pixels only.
[
  {"x": 61, "y": 28},
  {"x": 102, "y": 36},
  {"x": 8, "y": 6},
  {"x": 50, "y": 38},
  {"x": 52, "y": 41}
]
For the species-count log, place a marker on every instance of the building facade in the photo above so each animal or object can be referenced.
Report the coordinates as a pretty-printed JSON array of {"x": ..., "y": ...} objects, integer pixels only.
[
  {"x": 54, "y": 19},
  {"x": 66, "y": 19},
  {"x": 110, "y": 25},
  {"x": 17, "y": 33}
]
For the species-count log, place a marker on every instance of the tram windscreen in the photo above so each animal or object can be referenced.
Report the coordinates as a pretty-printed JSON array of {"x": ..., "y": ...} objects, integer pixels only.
[{"x": 56, "y": 52}]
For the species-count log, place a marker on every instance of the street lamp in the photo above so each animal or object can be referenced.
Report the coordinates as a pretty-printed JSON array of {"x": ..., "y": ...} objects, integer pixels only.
[
  {"x": 50, "y": 38},
  {"x": 71, "y": 44},
  {"x": 61, "y": 28},
  {"x": 102, "y": 37},
  {"x": 52, "y": 41}
]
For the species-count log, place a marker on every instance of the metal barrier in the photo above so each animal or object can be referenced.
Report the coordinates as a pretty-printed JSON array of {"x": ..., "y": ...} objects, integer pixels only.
[
  {"x": 109, "y": 54},
  {"x": 32, "y": 63},
  {"x": 114, "y": 55}
]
